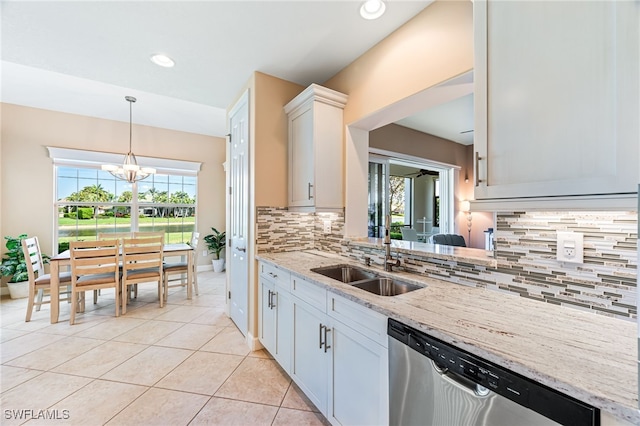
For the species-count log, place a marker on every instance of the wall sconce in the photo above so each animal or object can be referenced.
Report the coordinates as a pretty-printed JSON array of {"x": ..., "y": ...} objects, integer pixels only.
[{"x": 465, "y": 206}]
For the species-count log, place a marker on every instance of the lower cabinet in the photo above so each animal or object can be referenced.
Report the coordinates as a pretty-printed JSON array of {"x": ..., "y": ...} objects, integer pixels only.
[
  {"x": 337, "y": 350},
  {"x": 275, "y": 314},
  {"x": 311, "y": 356},
  {"x": 358, "y": 394}
]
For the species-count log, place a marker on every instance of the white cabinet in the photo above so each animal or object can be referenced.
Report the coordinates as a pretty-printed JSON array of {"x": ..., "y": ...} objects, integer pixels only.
[
  {"x": 316, "y": 149},
  {"x": 333, "y": 348},
  {"x": 359, "y": 364},
  {"x": 556, "y": 98},
  {"x": 275, "y": 313},
  {"x": 310, "y": 359}
]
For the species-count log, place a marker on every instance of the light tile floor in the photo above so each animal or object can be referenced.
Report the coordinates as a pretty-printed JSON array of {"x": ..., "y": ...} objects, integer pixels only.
[{"x": 184, "y": 364}]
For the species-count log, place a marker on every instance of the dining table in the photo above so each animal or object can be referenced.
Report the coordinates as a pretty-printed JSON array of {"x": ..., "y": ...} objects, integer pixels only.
[{"x": 64, "y": 259}]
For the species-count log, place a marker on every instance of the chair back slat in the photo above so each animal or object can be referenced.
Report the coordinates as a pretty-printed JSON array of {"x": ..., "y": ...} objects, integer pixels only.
[
  {"x": 149, "y": 234},
  {"x": 33, "y": 257},
  {"x": 195, "y": 238},
  {"x": 112, "y": 235}
]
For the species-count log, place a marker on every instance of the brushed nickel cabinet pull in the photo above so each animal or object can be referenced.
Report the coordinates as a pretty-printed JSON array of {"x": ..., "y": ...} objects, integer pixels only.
[
  {"x": 326, "y": 346},
  {"x": 309, "y": 190}
]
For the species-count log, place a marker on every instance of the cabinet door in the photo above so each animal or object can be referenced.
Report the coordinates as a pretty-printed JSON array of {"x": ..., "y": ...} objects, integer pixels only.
[
  {"x": 360, "y": 383},
  {"x": 267, "y": 315},
  {"x": 284, "y": 328},
  {"x": 301, "y": 158},
  {"x": 556, "y": 90},
  {"x": 310, "y": 362}
]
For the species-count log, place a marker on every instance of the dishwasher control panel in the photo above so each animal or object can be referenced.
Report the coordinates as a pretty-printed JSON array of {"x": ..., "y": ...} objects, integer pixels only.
[{"x": 465, "y": 366}]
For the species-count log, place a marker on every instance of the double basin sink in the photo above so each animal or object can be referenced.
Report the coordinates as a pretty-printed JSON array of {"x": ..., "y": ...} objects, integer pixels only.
[{"x": 366, "y": 280}]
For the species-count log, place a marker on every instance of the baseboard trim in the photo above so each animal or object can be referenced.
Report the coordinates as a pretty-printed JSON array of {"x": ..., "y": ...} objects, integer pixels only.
[{"x": 253, "y": 343}]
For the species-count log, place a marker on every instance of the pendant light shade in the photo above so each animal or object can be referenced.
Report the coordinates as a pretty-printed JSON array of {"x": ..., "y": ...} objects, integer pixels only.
[{"x": 129, "y": 170}]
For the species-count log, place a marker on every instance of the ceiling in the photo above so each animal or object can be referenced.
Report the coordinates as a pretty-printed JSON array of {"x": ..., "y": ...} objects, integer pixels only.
[{"x": 84, "y": 57}]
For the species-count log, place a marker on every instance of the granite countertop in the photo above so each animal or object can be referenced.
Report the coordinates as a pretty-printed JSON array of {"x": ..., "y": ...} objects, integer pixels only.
[
  {"x": 437, "y": 251},
  {"x": 590, "y": 357}
]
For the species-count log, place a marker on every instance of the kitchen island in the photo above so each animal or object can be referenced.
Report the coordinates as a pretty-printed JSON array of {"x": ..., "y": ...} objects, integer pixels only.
[{"x": 590, "y": 357}]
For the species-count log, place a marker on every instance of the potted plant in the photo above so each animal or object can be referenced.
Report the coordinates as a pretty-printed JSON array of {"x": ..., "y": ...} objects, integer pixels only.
[
  {"x": 216, "y": 242},
  {"x": 14, "y": 266}
]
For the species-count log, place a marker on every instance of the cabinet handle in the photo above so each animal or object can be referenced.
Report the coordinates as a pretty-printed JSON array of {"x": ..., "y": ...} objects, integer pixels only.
[
  {"x": 320, "y": 336},
  {"x": 272, "y": 275},
  {"x": 326, "y": 346},
  {"x": 477, "y": 169},
  {"x": 309, "y": 190},
  {"x": 271, "y": 302}
]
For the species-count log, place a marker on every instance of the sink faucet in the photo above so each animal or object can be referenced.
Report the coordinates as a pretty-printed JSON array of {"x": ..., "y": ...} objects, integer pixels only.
[{"x": 389, "y": 263}]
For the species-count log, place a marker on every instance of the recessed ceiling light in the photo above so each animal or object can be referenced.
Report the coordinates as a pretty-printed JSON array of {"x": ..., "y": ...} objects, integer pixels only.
[
  {"x": 162, "y": 60},
  {"x": 372, "y": 9}
]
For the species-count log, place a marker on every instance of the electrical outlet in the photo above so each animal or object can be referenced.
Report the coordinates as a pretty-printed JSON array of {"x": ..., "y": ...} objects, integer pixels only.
[
  {"x": 570, "y": 247},
  {"x": 326, "y": 226},
  {"x": 204, "y": 253}
]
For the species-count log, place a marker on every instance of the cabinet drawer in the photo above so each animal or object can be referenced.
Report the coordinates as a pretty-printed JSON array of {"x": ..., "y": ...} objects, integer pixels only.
[
  {"x": 281, "y": 278},
  {"x": 365, "y": 321},
  {"x": 311, "y": 293}
]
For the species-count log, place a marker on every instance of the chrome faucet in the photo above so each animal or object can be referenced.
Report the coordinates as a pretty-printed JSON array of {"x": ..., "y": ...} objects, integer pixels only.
[{"x": 389, "y": 263}]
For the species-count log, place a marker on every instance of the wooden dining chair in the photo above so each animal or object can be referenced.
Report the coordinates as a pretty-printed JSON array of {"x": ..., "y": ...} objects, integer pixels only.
[
  {"x": 94, "y": 266},
  {"x": 141, "y": 263},
  {"x": 39, "y": 281},
  {"x": 112, "y": 235},
  {"x": 181, "y": 268},
  {"x": 148, "y": 234}
]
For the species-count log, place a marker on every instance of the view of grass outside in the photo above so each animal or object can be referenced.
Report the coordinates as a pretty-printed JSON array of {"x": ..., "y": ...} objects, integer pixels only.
[{"x": 91, "y": 202}]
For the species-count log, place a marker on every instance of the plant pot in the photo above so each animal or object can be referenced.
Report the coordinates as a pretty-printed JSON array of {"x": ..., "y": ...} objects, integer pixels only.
[
  {"x": 218, "y": 265},
  {"x": 19, "y": 290}
]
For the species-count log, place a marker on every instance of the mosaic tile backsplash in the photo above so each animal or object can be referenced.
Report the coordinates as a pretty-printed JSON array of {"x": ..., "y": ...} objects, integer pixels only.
[{"x": 605, "y": 283}]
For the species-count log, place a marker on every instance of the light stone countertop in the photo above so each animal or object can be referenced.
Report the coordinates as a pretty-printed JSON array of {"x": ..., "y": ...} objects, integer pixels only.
[
  {"x": 590, "y": 357},
  {"x": 437, "y": 251}
]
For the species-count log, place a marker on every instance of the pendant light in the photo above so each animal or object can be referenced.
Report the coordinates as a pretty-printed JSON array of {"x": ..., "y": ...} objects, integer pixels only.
[{"x": 129, "y": 171}]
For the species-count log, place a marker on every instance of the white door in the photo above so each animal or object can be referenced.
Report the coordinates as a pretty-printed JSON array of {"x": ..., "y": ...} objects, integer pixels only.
[{"x": 238, "y": 264}]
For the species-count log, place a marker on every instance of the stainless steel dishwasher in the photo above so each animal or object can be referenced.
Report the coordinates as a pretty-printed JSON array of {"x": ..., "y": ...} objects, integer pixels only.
[{"x": 434, "y": 383}]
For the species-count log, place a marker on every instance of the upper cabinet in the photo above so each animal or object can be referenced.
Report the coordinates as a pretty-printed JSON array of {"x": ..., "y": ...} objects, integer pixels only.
[
  {"x": 316, "y": 149},
  {"x": 556, "y": 99}
]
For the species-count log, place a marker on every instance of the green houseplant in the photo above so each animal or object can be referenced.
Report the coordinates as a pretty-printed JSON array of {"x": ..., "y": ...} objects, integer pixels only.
[
  {"x": 14, "y": 266},
  {"x": 216, "y": 243}
]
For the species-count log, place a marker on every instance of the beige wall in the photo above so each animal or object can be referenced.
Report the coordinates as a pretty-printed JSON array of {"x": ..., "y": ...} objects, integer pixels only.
[
  {"x": 27, "y": 171},
  {"x": 434, "y": 46},
  {"x": 271, "y": 138}
]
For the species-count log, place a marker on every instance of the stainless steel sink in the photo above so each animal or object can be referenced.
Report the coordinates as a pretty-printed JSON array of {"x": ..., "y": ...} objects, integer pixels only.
[
  {"x": 366, "y": 280},
  {"x": 345, "y": 273},
  {"x": 386, "y": 286}
]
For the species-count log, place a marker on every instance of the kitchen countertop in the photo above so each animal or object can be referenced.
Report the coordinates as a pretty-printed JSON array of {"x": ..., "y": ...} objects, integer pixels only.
[{"x": 590, "y": 357}]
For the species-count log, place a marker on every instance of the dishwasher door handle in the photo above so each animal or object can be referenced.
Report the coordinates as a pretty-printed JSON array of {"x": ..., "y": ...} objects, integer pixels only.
[{"x": 460, "y": 382}]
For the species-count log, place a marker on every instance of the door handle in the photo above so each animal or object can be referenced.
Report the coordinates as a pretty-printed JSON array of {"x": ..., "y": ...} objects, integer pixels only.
[
  {"x": 309, "y": 190},
  {"x": 326, "y": 346},
  {"x": 477, "y": 169},
  {"x": 242, "y": 249},
  {"x": 271, "y": 303}
]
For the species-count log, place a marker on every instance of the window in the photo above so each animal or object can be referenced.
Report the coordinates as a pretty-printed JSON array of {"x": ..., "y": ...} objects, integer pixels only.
[
  {"x": 416, "y": 193},
  {"x": 89, "y": 201}
]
